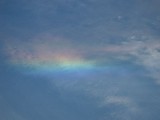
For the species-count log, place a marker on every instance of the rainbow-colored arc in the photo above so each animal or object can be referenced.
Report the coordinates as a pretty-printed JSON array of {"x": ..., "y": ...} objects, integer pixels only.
[
  {"x": 55, "y": 63},
  {"x": 64, "y": 65},
  {"x": 52, "y": 56}
]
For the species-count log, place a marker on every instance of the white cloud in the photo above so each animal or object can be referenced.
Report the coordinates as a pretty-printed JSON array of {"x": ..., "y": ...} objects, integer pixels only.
[
  {"x": 121, "y": 100},
  {"x": 147, "y": 55}
]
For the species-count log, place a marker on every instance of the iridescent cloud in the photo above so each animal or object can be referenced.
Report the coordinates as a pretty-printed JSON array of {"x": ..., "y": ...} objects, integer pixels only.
[{"x": 49, "y": 54}]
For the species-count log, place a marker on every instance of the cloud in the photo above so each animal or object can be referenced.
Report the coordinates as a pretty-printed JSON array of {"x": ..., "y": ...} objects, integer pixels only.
[
  {"x": 121, "y": 100},
  {"x": 147, "y": 54},
  {"x": 127, "y": 105},
  {"x": 46, "y": 48},
  {"x": 112, "y": 38}
]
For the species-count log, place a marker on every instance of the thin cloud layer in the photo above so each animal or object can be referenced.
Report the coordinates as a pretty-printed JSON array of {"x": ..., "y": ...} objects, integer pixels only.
[{"x": 80, "y": 59}]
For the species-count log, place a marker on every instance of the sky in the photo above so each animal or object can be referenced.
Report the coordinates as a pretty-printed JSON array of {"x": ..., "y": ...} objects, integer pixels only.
[{"x": 79, "y": 60}]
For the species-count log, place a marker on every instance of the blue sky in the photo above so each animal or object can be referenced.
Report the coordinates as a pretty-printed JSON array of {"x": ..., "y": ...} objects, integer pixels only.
[{"x": 79, "y": 60}]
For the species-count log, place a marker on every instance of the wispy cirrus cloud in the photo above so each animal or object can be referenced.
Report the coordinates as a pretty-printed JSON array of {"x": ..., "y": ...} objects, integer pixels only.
[{"x": 48, "y": 48}]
